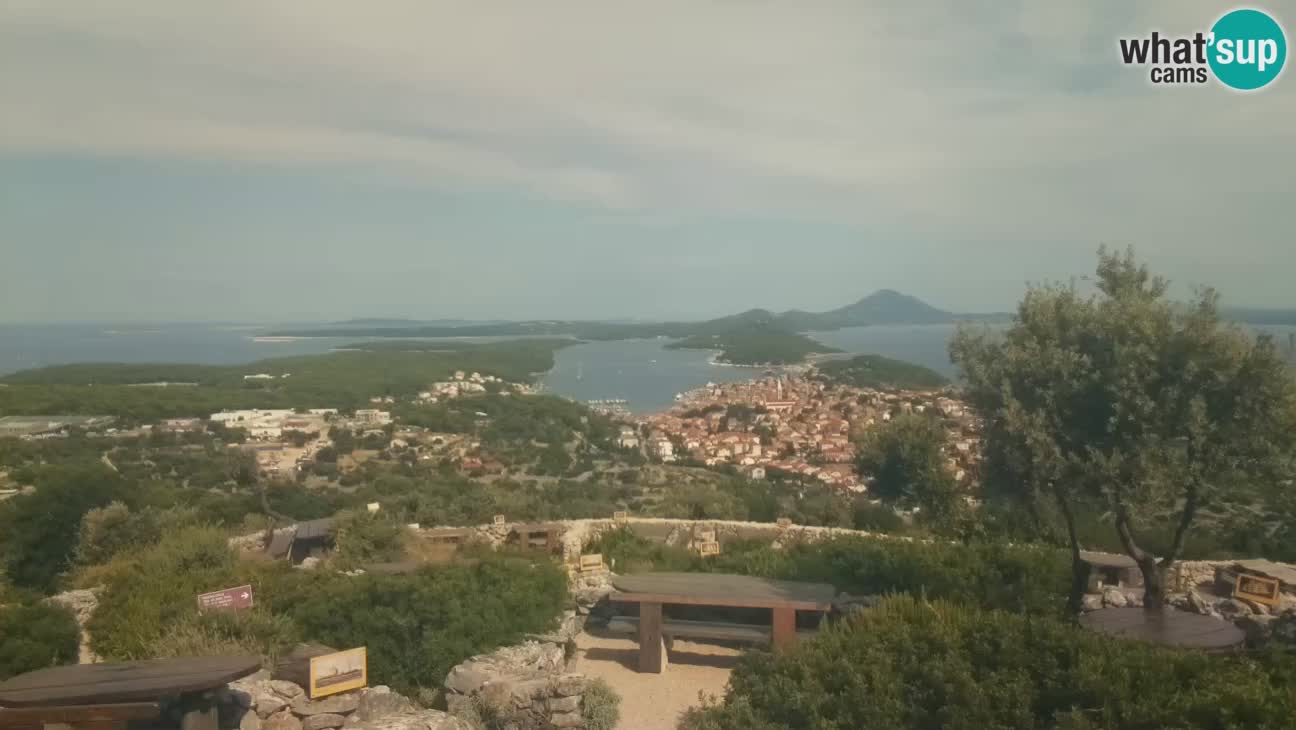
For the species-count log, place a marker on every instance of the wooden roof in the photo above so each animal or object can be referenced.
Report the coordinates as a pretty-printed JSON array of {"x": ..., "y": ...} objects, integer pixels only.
[
  {"x": 1284, "y": 572},
  {"x": 721, "y": 589},
  {"x": 314, "y": 529},
  {"x": 94, "y": 684}
]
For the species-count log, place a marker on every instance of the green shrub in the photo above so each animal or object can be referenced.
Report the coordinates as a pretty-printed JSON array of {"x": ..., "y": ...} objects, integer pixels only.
[
  {"x": 146, "y": 596},
  {"x": 35, "y": 636},
  {"x": 601, "y": 706},
  {"x": 992, "y": 575},
  {"x": 364, "y": 538},
  {"x": 418, "y": 626},
  {"x": 913, "y": 664},
  {"x": 256, "y": 632}
]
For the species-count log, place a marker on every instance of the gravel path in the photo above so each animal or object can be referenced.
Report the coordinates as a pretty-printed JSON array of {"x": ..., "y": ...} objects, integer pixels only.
[{"x": 655, "y": 701}]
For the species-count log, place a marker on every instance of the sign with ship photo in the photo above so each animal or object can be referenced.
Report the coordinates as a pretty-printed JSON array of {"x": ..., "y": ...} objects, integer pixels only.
[
  {"x": 1257, "y": 588},
  {"x": 338, "y": 672}
]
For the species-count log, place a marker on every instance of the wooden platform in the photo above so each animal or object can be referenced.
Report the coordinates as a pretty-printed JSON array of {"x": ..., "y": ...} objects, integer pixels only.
[
  {"x": 102, "y": 684},
  {"x": 1168, "y": 627}
]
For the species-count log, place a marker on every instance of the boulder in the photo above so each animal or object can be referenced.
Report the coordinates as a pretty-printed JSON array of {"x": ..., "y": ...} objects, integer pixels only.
[
  {"x": 310, "y": 563},
  {"x": 569, "y": 684},
  {"x": 1231, "y": 608},
  {"x": 416, "y": 720},
  {"x": 287, "y": 689},
  {"x": 284, "y": 720},
  {"x": 567, "y": 719},
  {"x": 1256, "y": 626},
  {"x": 250, "y": 721},
  {"x": 468, "y": 678},
  {"x": 1091, "y": 602},
  {"x": 380, "y": 701},
  {"x": 268, "y": 704},
  {"x": 339, "y": 704},
  {"x": 1114, "y": 597},
  {"x": 322, "y": 721},
  {"x": 564, "y": 704},
  {"x": 1197, "y": 603}
]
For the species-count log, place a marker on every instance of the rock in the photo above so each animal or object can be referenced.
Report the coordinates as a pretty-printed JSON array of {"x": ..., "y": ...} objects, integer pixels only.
[
  {"x": 380, "y": 701},
  {"x": 522, "y": 692},
  {"x": 269, "y": 703},
  {"x": 1114, "y": 597},
  {"x": 570, "y": 684},
  {"x": 339, "y": 704},
  {"x": 287, "y": 689},
  {"x": 1197, "y": 603},
  {"x": 322, "y": 721},
  {"x": 1256, "y": 627},
  {"x": 1231, "y": 608},
  {"x": 564, "y": 704},
  {"x": 467, "y": 678},
  {"x": 567, "y": 719},
  {"x": 250, "y": 721},
  {"x": 235, "y": 697},
  {"x": 572, "y": 624},
  {"x": 284, "y": 720},
  {"x": 1133, "y": 597},
  {"x": 1091, "y": 602},
  {"x": 417, "y": 720}
]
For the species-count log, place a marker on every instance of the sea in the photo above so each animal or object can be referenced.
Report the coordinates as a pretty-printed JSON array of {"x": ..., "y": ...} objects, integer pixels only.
[{"x": 642, "y": 373}]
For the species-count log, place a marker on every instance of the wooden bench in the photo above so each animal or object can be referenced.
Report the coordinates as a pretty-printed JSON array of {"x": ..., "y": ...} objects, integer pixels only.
[
  {"x": 87, "y": 717},
  {"x": 713, "y": 630}
]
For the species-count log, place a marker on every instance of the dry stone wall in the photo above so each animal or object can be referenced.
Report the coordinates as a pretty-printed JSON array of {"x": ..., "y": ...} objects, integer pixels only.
[{"x": 260, "y": 703}]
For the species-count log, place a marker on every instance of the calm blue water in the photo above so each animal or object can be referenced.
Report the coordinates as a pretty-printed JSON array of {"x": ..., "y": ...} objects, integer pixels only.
[{"x": 642, "y": 372}]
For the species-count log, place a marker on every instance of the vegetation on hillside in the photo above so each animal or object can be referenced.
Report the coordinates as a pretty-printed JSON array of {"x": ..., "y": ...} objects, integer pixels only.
[
  {"x": 755, "y": 345},
  {"x": 903, "y": 460},
  {"x": 876, "y": 371},
  {"x": 34, "y": 635},
  {"x": 343, "y": 379},
  {"x": 415, "y": 626}
]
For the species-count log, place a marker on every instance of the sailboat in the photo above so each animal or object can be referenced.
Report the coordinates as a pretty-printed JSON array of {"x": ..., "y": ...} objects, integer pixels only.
[{"x": 580, "y": 371}]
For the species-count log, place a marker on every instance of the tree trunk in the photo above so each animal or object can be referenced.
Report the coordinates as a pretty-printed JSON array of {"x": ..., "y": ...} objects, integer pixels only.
[
  {"x": 1079, "y": 571},
  {"x": 1154, "y": 584}
]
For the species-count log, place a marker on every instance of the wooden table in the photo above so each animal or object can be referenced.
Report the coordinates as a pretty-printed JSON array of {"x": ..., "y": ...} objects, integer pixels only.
[
  {"x": 652, "y": 590},
  {"x": 105, "y": 696}
]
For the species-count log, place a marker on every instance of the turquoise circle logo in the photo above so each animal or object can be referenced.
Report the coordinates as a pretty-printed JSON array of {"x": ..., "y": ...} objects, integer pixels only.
[{"x": 1248, "y": 49}]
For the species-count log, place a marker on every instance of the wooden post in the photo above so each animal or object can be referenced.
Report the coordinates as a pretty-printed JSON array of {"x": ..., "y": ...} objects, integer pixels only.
[
  {"x": 650, "y": 638},
  {"x": 784, "y": 627}
]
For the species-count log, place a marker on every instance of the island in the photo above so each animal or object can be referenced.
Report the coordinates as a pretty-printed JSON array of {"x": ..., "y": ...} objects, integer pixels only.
[{"x": 876, "y": 371}]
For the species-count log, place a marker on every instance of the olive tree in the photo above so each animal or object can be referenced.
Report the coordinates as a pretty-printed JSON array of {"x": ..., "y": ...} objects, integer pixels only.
[{"x": 1152, "y": 410}]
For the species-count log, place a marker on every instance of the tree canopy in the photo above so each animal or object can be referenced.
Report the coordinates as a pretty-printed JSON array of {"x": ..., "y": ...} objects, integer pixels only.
[{"x": 1152, "y": 410}]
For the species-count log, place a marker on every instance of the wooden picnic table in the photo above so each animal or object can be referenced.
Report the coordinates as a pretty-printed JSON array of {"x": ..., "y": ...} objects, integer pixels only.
[
  {"x": 653, "y": 590},
  {"x": 107, "y": 695}
]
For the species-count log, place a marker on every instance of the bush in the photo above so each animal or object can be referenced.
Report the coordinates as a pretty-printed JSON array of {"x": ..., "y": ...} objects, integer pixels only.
[
  {"x": 913, "y": 664},
  {"x": 35, "y": 636},
  {"x": 363, "y": 538},
  {"x": 992, "y": 575},
  {"x": 601, "y": 707},
  {"x": 256, "y": 632},
  {"x": 418, "y": 626},
  {"x": 146, "y": 596},
  {"x": 38, "y": 532}
]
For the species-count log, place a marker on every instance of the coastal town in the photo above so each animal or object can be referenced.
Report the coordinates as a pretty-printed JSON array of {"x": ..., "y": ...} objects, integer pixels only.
[{"x": 797, "y": 425}]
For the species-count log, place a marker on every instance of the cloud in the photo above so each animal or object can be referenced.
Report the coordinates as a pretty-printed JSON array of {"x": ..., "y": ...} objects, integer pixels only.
[{"x": 990, "y": 120}]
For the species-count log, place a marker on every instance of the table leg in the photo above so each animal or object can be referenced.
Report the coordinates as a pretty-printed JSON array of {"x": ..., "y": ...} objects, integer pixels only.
[
  {"x": 650, "y": 638},
  {"x": 784, "y": 627}
]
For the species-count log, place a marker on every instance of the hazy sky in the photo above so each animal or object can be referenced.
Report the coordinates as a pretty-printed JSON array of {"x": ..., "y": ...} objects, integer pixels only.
[{"x": 327, "y": 159}]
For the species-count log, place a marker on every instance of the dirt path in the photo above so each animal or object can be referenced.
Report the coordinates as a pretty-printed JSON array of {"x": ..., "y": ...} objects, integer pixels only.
[{"x": 655, "y": 701}]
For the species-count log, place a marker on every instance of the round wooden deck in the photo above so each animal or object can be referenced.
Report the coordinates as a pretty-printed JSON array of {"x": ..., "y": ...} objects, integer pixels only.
[
  {"x": 1168, "y": 627},
  {"x": 97, "y": 684}
]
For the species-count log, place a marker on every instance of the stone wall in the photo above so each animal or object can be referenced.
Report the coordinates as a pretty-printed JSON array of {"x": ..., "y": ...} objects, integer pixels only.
[
  {"x": 261, "y": 703},
  {"x": 525, "y": 687}
]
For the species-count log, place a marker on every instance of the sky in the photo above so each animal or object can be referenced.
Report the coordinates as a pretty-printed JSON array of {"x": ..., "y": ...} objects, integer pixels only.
[{"x": 265, "y": 160}]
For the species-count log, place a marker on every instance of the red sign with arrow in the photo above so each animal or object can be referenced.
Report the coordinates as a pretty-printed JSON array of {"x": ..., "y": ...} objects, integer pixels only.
[{"x": 230, "y": 599}]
